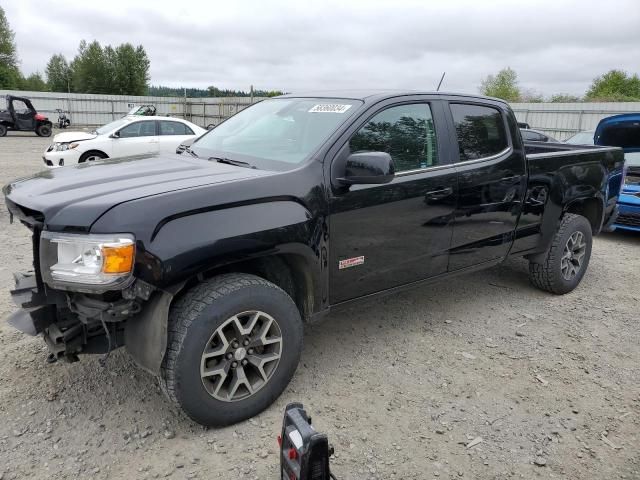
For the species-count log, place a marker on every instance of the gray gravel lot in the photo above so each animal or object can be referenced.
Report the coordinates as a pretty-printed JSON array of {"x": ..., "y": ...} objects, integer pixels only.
[{"x": 550, "y": 384}]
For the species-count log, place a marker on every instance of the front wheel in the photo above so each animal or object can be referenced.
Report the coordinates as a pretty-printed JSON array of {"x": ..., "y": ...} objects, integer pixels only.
[
  {"x": 3, "y": 130},
  {"x": 566, "y": 262},
  {"x": 234, "y": 344},
  {"x": 43, "y": 130},
  {"x": 91, "y": 156}
]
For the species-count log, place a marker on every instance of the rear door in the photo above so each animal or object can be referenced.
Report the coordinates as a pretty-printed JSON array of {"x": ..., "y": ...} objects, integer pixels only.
[
  {"x": 491, "y": 182},
  {"x": 136, "y": 138},
  {"x": 172, "y": 134},
  {"x": 383, "y": 236}
]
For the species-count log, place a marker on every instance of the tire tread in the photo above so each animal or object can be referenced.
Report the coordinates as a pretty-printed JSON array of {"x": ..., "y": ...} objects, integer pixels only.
[
  {"x": 188, "y": 308},
  {"x": 543, "y": 275}
]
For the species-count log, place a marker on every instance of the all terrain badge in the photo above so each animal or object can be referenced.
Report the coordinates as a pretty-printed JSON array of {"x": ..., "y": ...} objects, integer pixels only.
[{"x": 350, "y": 262}]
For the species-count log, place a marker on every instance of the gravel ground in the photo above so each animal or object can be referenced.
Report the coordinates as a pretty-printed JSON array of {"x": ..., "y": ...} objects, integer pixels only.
[{"x": 480, "y": 377}]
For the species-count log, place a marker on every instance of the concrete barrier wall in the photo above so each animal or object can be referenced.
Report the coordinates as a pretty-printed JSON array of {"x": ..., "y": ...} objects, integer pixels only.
[
  {"x": 561, "y": 120},
  {"x": 93, "y": 110}
]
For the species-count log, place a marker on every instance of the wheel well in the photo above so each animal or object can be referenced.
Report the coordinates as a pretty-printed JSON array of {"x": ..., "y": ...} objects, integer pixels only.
[
  {"x": 591, "y": 209},
  {"x": 83, "y": 157},
  {"x": 287, "y": 271}
]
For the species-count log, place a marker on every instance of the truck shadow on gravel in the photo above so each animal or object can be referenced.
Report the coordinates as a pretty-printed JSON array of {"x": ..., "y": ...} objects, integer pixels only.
[{"x": 383, "y": 325}]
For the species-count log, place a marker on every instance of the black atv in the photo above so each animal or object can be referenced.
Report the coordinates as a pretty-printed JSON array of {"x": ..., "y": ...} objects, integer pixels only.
[{"x": 22, "y": 117}]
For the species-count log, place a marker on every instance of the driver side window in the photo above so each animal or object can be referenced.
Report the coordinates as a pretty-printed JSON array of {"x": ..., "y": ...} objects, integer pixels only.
[
  {"x": 20, "y": 107},
  {"x": 406, "y": 132}
]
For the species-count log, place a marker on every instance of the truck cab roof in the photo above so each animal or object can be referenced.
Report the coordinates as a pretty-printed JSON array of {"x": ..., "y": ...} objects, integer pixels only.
[{"x": 375, "y": 95}]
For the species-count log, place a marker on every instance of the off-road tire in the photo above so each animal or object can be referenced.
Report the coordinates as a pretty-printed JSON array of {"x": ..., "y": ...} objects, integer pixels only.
[
  {"x": 546, "y": 273},
  {"x": 3, "y": 130},
  {"x": 43, "y": 131},
  {"x": 193, "y": 319}
]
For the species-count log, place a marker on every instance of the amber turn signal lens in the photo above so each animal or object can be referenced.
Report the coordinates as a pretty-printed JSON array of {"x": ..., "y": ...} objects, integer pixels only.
[{"x": 118, "y": 259}]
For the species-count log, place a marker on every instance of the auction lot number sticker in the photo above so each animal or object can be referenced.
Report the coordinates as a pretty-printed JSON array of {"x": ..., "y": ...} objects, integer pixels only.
[{"x": 329, "y": 108}]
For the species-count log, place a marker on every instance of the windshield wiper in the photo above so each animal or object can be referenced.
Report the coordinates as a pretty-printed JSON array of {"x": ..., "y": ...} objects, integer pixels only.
[
  {"x": 237, "y": 163},
  {"x": 187, "y": 149}
]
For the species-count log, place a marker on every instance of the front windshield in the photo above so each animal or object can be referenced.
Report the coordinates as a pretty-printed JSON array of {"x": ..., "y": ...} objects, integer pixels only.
[
  {"x": 582, "y": 138},
  {"x": 111, "y": 126},
  {"x": 276, "y": 134}
]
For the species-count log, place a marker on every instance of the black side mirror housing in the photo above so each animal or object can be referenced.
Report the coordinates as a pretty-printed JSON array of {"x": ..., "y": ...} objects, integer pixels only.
[{"x": 368, "y": 168}]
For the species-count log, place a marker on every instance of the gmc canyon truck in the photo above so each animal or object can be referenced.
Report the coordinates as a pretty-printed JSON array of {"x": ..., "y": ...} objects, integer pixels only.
[{"x": 206, "y": 266}]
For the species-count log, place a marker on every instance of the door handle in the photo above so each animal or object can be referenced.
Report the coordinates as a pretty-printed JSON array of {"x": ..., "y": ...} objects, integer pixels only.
[
  {"x": 439, "y": 193},
  {"x": 509, "y": 178}
]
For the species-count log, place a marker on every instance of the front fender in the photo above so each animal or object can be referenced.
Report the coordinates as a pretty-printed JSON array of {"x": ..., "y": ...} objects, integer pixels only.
[{"x": 178, "y": 245}]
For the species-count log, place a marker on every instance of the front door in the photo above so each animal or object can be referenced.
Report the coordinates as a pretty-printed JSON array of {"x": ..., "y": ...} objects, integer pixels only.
[
  {"x": 137, "y": 138},
  {"x": 383, "y": 236},
  {"x": 24, "y": 116},
  {"x": 491, "y": 181}
]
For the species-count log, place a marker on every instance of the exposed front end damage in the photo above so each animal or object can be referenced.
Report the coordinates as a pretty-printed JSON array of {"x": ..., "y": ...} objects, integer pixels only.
[
  {"x": 75, "y": 323},
  {"x": 72, "y": 323}
]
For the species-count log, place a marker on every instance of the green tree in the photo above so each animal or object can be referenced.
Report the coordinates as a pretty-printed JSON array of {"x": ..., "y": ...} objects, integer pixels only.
[
  {"x": 58, "y": 74},
  {"x": 123, "y": 70},
  {"x": 130, "y": 68},
  {"x": 616, "y": 86},
  {"x": 34, "y": 83},
  {"x": 503, "y": 85},
  {"x": 89, "y": 69},
  {"x": 564, "y": 98},
  {"x": 9, "y": 73}
]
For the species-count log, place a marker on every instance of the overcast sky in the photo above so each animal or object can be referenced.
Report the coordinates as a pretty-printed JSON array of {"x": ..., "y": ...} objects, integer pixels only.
[{"x": 554, "y": 46}]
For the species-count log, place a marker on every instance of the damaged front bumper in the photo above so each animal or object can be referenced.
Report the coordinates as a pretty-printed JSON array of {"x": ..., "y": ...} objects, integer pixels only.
[
  {"x": 37, "y": 309},
  {"x": 69, "y": 323},
  {"x": 72, "y": 323}
]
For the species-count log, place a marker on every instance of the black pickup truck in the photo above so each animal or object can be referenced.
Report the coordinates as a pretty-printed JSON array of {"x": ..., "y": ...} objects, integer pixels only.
[{"x": 205, "y": 266}]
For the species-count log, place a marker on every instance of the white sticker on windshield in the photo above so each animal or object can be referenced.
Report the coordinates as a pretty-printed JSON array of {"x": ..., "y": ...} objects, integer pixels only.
[{"x": 329, "y": 108}]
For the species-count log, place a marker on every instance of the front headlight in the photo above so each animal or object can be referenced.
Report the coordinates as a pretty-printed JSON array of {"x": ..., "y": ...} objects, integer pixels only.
[
  {"x": 95, "y": 262},
  {"x": 62, "y": 147}
]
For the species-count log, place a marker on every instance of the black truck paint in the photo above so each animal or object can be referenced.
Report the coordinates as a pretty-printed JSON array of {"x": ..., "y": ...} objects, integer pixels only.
[{"x": 195, "y": 218}]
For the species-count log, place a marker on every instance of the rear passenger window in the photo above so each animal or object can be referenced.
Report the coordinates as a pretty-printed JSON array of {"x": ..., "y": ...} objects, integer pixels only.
[
  {"x": 405, "y": 132},
  {"x": 174, "y": 128},
  {"x": 480, "y": 131}
]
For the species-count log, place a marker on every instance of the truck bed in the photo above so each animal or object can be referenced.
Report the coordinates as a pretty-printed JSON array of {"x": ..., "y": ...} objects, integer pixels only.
[{"x": 552, "y": 168}]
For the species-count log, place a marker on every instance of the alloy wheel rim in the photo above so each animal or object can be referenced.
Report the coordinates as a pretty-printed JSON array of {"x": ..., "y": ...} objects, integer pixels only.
[
  {"x": 241, "y": 356},
  {"x": 573, "y": 256}
]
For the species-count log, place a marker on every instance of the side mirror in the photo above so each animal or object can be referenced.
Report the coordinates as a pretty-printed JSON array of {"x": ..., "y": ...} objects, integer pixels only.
[
  {"x": 368, "y": 168},
  {"x": 115, "y": 135}
]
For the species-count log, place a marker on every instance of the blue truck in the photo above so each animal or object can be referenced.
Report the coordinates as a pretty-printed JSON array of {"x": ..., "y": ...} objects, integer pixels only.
[{"x": 624, "y": 131}]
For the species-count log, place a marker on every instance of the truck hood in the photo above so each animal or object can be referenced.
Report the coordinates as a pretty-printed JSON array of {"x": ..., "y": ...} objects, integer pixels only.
[
  {"x": 76, "y": 196},
  {"x": 66, "y": 137}
]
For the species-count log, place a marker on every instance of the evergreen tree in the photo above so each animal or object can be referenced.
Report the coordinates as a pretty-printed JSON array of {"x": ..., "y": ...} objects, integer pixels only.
[{"x": 9, "y": 72}]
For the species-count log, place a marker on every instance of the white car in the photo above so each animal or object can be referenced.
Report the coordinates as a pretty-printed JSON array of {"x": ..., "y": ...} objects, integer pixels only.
[{"x": 131, "y": 135}]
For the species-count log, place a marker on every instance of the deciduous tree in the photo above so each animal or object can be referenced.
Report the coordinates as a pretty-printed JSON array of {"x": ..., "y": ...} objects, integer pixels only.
[
  {"x": 615, "y": 86},
  {"x": 503, "y": 85}
]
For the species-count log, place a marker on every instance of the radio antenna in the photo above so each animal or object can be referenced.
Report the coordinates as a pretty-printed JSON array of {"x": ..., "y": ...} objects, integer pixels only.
[{"x": 441, "y": 79}]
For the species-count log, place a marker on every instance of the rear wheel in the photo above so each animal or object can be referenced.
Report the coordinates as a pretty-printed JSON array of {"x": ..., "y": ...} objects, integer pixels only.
[
  {"x": 43, "y": 130},
  {"x": 91, "y": 156},
  {"x": 566, "y": 262},
  {"x": 234, "y": 344},
  {"x": 3, "y": 130}
]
